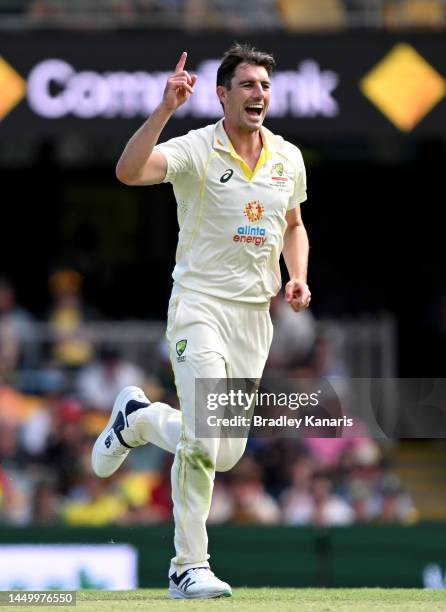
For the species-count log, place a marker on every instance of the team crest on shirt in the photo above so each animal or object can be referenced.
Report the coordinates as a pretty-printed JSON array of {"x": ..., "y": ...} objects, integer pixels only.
[
  {"x": 278, "y": 169},
  {"x": 254, "y": 210},
  {"x": 280, "y": 179}
]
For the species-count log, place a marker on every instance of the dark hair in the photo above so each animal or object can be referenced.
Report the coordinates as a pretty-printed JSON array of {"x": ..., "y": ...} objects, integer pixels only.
[{"x": 242, "y": 54}]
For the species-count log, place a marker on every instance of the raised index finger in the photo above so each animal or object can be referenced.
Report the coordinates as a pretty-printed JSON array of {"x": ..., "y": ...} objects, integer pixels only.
[{"x": 181, "y": 62}]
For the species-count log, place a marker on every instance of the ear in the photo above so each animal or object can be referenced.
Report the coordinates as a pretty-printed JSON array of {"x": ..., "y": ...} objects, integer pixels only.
[{"x": 221, "y": 93}]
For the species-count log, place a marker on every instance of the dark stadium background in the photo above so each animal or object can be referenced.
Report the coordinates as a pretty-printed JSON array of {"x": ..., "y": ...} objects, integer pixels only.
[
  {"x": 376, "y": 229},
  {"x": 374, "y": 212}
]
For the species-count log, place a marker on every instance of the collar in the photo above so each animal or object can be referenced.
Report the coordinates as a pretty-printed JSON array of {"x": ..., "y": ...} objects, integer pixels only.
[{"x": 271, "y": 142}]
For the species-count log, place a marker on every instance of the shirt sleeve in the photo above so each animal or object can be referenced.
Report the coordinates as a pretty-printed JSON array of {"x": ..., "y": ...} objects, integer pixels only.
[
  {"x": 299, "y": 194},
  {"x": 178, "y": 153}
]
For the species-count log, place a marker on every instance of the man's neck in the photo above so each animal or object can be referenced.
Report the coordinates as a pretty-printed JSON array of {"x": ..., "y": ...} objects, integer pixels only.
[{"x": 247, "y": 144}]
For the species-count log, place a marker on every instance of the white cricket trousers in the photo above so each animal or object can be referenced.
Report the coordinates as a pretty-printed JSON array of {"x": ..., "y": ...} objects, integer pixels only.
[{"x": 224, "y": 340}]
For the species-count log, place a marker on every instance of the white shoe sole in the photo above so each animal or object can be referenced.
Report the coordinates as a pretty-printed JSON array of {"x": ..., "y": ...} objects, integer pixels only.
[
  {"x": 179, "y": 594},
  {"x": 105, "y": 465}
]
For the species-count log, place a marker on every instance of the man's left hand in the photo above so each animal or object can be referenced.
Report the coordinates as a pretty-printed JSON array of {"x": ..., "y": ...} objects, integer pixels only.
[{"x": 297, "y": 294}]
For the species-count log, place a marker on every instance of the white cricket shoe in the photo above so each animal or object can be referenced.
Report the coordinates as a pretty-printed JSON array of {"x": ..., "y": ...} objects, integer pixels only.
[
  {"x": 197, "y": 583},
  {"x": 110, "y": 449}
]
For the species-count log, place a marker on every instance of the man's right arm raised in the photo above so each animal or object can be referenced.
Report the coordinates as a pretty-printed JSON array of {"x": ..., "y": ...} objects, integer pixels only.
[{"x": 139, "y": 164}]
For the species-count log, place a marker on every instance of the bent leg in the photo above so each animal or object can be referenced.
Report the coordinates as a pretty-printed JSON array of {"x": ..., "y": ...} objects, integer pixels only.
[
  {"x": 229, "y": 453},
  {"x": 247, "y": 354},
  {"x": 159, "y": 424}
]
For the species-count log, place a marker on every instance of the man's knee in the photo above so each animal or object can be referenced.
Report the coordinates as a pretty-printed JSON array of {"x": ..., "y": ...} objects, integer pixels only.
[
  {"x": 227, "y": 464},
  {"x": 229, "y": 457}
]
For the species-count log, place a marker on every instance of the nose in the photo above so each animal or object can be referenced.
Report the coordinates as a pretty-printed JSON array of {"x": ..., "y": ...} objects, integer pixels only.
[{"x": 258, "y": 90}]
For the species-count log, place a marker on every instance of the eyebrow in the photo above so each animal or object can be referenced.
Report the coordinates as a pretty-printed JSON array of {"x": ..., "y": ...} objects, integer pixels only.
[{"x": 264, "y": 82}]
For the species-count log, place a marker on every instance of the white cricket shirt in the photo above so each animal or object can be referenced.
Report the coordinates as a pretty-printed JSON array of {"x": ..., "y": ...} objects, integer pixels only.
[{"x": 231, "y": 219}]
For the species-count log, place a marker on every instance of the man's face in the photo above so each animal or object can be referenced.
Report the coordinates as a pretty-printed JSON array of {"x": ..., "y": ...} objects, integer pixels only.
[{"x": 246, "y": 103}]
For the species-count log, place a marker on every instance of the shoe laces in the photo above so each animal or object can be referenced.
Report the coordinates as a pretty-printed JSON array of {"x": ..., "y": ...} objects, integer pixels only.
[
  {"x": 116, "y": 447},
  {"x": 201, "y": 573}
]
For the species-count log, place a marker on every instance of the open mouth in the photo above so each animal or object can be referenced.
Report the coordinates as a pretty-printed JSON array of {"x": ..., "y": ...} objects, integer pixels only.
[{"x": 254, "y": 110}]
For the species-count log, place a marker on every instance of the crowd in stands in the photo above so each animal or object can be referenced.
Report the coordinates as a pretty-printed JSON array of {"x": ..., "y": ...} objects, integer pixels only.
[
  {"x": 293, "y": 15},
  {"x": 56, "y": 397}
]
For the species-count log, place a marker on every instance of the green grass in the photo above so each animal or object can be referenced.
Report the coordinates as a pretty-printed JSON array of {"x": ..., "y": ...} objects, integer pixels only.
[{"x": 264, "y": 599}]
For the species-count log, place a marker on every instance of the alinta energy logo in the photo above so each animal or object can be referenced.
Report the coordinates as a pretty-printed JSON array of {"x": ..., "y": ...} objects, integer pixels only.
[
  {"x": 250, "y": 234},
  {"x": 404, "y": 86},
  {"x": 12, "y": 88}
]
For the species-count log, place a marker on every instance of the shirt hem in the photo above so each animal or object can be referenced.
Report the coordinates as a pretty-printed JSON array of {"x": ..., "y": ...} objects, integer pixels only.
[{"x": 177, "y": 288}]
